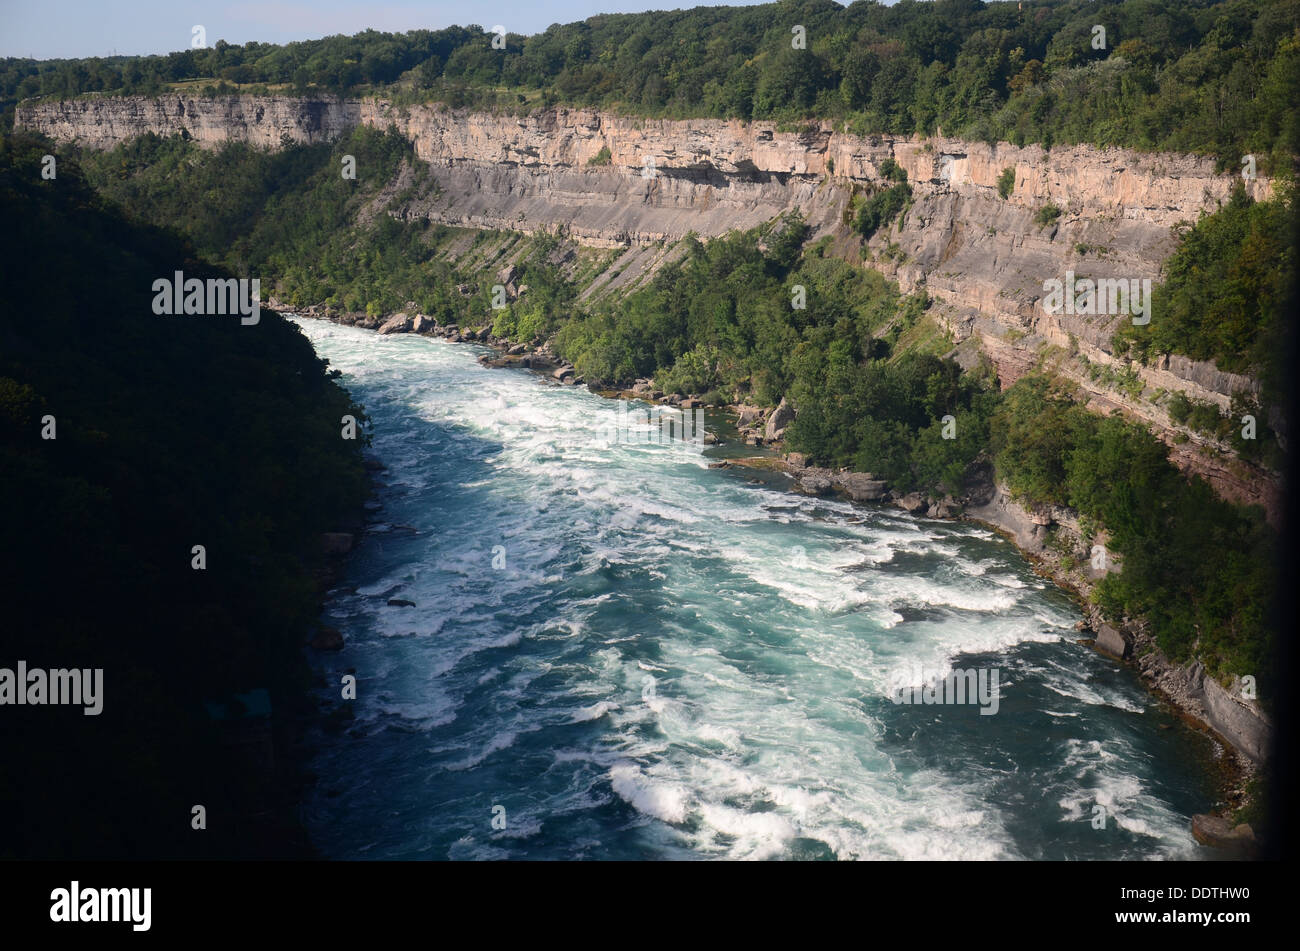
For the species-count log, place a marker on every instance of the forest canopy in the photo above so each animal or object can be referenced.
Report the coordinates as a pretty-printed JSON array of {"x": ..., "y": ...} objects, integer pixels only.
[{"x": 1197, "y": 76}]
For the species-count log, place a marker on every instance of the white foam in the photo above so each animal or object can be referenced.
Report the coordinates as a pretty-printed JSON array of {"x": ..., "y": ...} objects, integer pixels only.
[
  {"x": 662, "y": 801},
  {"x": 594, "y": 712},
  {"x": 764, "y": 726}
]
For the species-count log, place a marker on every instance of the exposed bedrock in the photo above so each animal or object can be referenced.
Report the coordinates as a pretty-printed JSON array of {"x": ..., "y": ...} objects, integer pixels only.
[{"x": 619, "y": 181}]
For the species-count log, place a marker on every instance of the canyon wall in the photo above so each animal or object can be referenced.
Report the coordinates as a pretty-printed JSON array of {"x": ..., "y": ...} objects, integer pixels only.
[{"x": 617, "y": 181}]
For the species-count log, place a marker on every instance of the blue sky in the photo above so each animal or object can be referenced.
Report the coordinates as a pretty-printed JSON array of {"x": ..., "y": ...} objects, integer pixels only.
[{"x": 48, "y": 29}]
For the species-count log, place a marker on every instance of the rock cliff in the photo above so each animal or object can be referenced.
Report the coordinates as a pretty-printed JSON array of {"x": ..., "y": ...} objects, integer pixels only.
[{"x": 618, "y": 181}]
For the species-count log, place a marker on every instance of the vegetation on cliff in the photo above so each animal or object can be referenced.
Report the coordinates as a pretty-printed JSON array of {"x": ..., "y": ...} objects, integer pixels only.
[
  {"x": 292, "y": 213},
  {"x": 760, "y": 315},
  {"x": 170, "y": 432},
  {"x": 1199, "y": 569},
  {"x": 1224, "y": 289}
]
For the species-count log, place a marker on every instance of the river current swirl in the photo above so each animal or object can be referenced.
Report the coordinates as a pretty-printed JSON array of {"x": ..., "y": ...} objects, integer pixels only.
[{"x": 616, "y": 652}]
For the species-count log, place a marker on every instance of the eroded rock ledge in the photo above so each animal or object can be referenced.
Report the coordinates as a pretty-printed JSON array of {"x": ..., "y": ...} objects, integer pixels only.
[{"x": 617, "y": 181}]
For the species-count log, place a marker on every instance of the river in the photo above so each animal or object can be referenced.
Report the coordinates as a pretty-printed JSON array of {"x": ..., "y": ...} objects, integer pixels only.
[{"x": 616, "y": 652}]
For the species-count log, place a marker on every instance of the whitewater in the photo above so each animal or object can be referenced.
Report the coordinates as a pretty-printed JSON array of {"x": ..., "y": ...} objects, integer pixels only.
[{"x": 616, "y": 652}]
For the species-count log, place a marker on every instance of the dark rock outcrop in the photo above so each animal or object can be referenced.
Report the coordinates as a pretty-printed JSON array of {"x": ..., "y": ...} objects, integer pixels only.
[
  {"x": 1236, "y": 719},
  {"x": 397, "y": 324},
  {"x": 1219, "y": 833},
  {"x": 861, "y": 487},
  {"x": 1112, "y": 642},
  {"x": 914, "y": 503}
]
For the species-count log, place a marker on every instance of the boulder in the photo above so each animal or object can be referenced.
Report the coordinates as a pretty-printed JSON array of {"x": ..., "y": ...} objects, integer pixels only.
[
  {"x": 860, "y": 487},
  {"x": 796, "y": 460},
  {"x": 1236, "y": 719},
  {"x": 517, "y": 349},
  {"x": 913, "y": 503},
  {"x": 397, "y": 324},
  {"x": 422, "y": 324},
  {"x": 691, "y": 403},
  {"x": 1217, "y": 832},
  {"x": 563, "y": 373},
  {"x": 1111, "y": 641},
  {"x": 815, "y": 482},
  {"x": 400, "y": 603},
  {"x": 781, "y": 417},
  {"x": 747, "y": 415},
  {"x": 507, "y": 274},
  {"x": 944, "y": 508}
]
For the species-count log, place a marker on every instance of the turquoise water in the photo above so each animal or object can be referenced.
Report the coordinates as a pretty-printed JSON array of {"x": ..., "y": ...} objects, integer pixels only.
[{"x": 671, "y": 661}]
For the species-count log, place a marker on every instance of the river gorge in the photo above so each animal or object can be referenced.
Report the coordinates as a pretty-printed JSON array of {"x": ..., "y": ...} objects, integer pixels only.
[{"x": 571, "y": 647}]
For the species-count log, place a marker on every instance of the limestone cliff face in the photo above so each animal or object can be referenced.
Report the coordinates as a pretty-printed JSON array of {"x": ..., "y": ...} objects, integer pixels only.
[
  {"x": 101, "y": 123},
  {"x": 661, "y": 181},
  {"x": 611, "y": 181},
  {"x": 988, "y": 259}
]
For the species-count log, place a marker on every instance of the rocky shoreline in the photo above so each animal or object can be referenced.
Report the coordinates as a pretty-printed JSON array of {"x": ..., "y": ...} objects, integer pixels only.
[
  {"x": 1061, "y": 550},
  {"x": 1051, "y": 538}
]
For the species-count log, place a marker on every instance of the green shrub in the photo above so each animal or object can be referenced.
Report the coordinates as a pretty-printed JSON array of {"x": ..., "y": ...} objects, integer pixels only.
[
  {"x": 1192, "y": 561},
  {"x": 1204, "y": 417},
  {"x": 1224, "y": 296},
  {"x": 1179, "y": 408},
  {"x": 892, "y": 171},
  {"x": 1046, "y": 215},
  {"x": 1007, "y": 182},
  {"x": 881, "y": 208}
]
